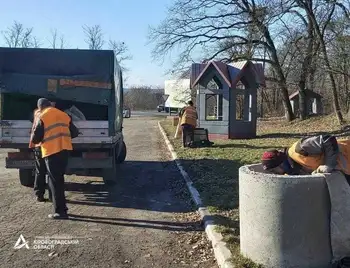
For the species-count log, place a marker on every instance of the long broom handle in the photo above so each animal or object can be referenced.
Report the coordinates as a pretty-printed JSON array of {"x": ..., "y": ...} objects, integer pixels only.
[{"x": 177, "y": 129}]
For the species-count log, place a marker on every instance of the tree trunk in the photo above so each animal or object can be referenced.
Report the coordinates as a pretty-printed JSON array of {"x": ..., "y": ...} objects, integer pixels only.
[
  {"x": 262, "y": 102},
  {"x": 320, "y": 36},
  {"x": 346, "y": 86},
  {"x": 336, "y": 105},
  {"x": 311, "y": 84},
  {"x": 303, "y": 104},
  {"x": 288, "y": 111},
  {"x": 279, "y": 72},
  {"x": 313, "y": 64}
]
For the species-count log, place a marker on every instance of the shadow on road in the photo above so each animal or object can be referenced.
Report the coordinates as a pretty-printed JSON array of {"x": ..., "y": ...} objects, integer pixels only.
[
  {"x": 159, "y": 186},
  {"x": 160, "y": 225},
  {"x": 144, "y": 185}
]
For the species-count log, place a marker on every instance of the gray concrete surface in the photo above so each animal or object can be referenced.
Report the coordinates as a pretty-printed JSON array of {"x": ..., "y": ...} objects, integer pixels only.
[
  {"x": 150, "y": 113},
  {"x": 143, "y": 221},
  {"x": 284, "y": 220}
]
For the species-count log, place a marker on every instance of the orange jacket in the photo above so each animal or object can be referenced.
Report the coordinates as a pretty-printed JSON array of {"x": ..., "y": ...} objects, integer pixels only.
[
  {"x": 57, "y": 135},
  {"x": 312, "y": 162},
  {"x": 189, "y": 116}
]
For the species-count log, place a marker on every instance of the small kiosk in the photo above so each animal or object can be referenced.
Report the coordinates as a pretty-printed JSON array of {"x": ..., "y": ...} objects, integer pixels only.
[{"x": 227, "y": 98}]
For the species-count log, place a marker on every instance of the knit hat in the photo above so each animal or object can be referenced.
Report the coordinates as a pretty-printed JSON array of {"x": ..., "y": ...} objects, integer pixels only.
[{"x": 272, "y": 158}]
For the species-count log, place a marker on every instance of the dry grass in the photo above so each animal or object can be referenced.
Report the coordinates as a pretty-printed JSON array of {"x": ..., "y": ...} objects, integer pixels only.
[{"x": 214, "y": 171}]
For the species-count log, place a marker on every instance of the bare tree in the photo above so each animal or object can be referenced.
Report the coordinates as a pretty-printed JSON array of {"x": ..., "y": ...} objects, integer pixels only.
[
  {"x": 63, "y": 43},
  {"x": 301, "y": 38},
  {"x": 223, "y": 30},
  {"x": 19, "y": 36},
  {"x": 57, "y": 41},
  {"x": 53, "y": 40},
  {"x": 36, "y": 43},
  {"x": 143, "y": 97},
  {"x": 94, "y": 36},
  {"x": 121, "y": 51},
  {"x": 329, "y": 8}
]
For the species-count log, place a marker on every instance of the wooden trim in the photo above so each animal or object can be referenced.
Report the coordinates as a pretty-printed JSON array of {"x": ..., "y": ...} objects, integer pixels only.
[
  {"x": 79, "y": 83},
  {"x": 222, "y": 75},
  {"x": 205, "y": 69},
  {"x": 218, "y": 136},
  {"x": 52, "y": 85},
  {"x": 200, "y": 75}
]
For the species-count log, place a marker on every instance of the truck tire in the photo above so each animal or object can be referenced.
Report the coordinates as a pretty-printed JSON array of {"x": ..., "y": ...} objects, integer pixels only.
[
  {"x": 122, "y": 155},
  {"x": 26, "y": 177},
  {"x": 109, "y": 176}
]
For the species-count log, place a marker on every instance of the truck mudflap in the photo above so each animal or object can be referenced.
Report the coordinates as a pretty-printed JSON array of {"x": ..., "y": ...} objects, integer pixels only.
[{"x": 95, "y": 160}]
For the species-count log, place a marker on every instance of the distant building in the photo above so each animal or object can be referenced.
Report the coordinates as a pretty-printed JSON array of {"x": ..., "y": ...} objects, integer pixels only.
[{"x": 313, "y": 102}]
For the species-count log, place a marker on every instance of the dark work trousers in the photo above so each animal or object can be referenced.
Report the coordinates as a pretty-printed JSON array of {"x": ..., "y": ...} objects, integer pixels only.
[
  {"x": 347, "y": 178},
  {"x": 40, "y": 174},
  {"x": 56, "y": 166},
  {"x": 187, "y": 134}
]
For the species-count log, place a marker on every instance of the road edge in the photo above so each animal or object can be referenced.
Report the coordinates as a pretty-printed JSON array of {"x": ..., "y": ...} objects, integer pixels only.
[{"x": 221, "y": 251}]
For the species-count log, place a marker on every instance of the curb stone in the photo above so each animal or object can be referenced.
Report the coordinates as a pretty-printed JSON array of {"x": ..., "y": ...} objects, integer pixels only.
[{"x": 221, "y": 252}]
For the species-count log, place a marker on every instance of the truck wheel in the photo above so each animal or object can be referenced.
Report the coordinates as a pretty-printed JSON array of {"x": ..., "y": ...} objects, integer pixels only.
[
  {"x": 26, "y": 177},
  {"x": 122, "y": 155}
]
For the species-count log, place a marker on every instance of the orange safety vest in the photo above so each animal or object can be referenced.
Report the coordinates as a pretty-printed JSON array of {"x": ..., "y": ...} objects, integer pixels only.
[
  {"x": 312, "y": 162},
  {"x": 56, "y": 134},
  {"x": 36, "y": 117},
  {"x": 189, "y": 116}
]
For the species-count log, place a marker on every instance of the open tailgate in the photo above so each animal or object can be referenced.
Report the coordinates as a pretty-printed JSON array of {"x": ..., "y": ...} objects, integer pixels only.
[{"x": 16, "y": 133}]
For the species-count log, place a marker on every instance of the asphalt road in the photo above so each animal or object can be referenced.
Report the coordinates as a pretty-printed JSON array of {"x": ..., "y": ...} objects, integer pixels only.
[
  {"x": 143, "y": 221},
  {"x": 148, "y": 113}
]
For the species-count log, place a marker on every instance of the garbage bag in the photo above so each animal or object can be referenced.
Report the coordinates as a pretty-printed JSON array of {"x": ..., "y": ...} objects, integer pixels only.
[{"x": 76, "y": 114}]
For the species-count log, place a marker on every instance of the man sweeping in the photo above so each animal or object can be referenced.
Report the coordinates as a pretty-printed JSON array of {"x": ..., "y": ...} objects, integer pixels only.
[{"x": 188, "y": 122}]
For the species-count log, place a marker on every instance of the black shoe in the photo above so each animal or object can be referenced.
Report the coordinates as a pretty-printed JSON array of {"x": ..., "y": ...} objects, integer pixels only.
[
  {"x": 40, "y": 199},
  {"x": 57, "y": 216},
  {"x": 344, "y": 263}
]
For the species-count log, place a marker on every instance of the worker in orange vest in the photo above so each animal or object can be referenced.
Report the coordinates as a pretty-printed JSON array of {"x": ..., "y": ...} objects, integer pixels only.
[
  {"x": 317, "y": 154},
  {"x": 188, "y": 122},
  {"x": 54, "y": 131},
  {"x": 40, "y": 167}
]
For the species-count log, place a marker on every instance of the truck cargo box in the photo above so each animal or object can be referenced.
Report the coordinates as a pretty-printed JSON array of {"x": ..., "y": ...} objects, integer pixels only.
[{"x": 89, "y": 80}]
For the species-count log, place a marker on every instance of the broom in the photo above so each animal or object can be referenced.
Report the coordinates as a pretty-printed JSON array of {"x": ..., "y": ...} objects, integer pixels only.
[{"x": 177, "y": 130}]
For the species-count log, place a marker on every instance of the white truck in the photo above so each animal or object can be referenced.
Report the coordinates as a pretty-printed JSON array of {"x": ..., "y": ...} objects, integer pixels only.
[{"x": 178, "y": 92}]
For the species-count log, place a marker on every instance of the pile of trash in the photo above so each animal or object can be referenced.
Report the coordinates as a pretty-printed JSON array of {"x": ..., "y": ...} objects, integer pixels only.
[{"x": 75, "y": 114}]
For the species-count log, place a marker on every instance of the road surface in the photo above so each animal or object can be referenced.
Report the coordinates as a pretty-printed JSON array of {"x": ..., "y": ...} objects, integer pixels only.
[
  {"x": 148, "y": 113},
  {"x": 143, "y": 221}
]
